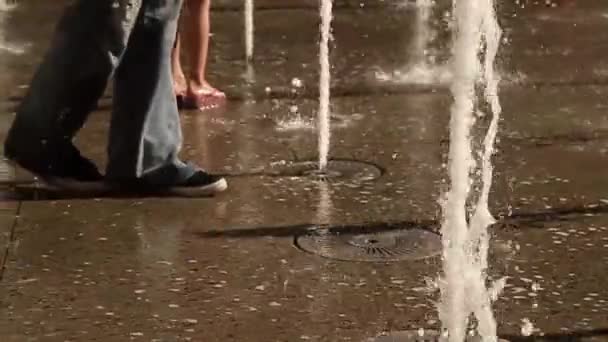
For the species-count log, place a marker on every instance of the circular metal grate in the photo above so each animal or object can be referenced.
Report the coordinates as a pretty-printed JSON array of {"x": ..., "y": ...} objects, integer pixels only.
[
  {"x": 336, "y": 170},
  {"x": 419, "y": 336},
  {"x": 381, "y": 246}
]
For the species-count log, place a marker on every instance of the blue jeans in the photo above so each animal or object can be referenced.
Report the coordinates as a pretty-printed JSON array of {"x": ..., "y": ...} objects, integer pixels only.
[{"x": 130, "y": 40}]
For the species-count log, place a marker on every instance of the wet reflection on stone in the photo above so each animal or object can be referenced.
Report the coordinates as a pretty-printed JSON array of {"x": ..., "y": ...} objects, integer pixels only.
[
  {"x": 226, "y": 269},
  {"x": 347, "y": 170},
  {"x": 420, "y": 335}
]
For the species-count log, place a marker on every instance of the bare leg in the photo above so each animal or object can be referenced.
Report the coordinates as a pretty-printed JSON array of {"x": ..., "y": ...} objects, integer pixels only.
[
  {"x": 198, "y": 37},
  {"x": 179, "y": 80}
]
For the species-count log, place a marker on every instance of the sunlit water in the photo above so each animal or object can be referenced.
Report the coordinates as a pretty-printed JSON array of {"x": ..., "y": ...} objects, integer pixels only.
[
  {"x": 423, "y": 68},
  {"x": 6, "y": 5},
  {"x": 296, "y": 123},
  {"x": 464, "y": 295},
  {"x": 249, "y": 29},
  {"x": 324, "y": 83},
  {"x": 5, "y": 45}
]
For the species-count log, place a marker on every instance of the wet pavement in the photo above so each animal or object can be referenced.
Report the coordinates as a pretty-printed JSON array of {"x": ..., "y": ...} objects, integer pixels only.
[{"x": 228, "y": 268}]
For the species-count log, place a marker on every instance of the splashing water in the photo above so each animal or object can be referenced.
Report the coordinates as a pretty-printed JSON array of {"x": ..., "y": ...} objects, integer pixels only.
[
  {"x": 5, "y": 45},
  {"x": 422, "y": 69},
  {"x": 424, "y": 32},
  {"x": 6, "y": 5},
  {"x": 249, "y": 30},
  {"x": 295, "y": 123},
  {"x": 249, "y": 74},
  {"x": 466, "y": 239},
  {"x": 324, "y": 83}
]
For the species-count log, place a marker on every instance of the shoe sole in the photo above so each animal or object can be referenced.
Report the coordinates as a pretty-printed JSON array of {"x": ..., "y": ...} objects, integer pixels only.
[
  {"x": 71, "y": 185},
  {"x": 100, "y": 188},
  {"x": 199, "y": 191},
  {"x": 57, "y": 184}
]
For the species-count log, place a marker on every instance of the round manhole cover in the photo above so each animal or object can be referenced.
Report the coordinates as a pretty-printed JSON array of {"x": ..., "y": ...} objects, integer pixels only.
[
  {"x": 382, "y": 246},
  {"x": 336, "y": 170},
  {"x": 420, "y": 336}
]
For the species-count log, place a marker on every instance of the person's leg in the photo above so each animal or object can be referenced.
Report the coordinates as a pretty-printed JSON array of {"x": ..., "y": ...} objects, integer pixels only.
[
  {"x": 180, "y": 85},
  {"x": 198, "y": 31},
  {"x": 145, "y": 132},
  {"x": 89, "y": 40}
]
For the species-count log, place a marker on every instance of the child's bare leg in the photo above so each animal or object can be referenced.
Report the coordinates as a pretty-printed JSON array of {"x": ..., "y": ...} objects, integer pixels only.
[
  {"x": 198, "y": 34},
  {"x": 180, "y": 85}
]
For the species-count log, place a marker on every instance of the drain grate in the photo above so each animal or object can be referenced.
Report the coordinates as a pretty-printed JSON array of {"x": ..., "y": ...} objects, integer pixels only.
[
  {"x": 369, "y": 246},
  {"x": 419, "y": 336},
  {"x": 336, "y": 170}
]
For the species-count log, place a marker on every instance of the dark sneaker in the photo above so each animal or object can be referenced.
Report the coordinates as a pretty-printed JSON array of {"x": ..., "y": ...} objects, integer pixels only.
[
  {"x": 66, "y": 170},
  {"x": 68, "y": 184},
  {"x": 199, "y": 184}
]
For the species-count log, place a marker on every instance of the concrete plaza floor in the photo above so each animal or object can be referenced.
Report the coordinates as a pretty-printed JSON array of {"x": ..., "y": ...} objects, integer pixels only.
[{"x": 227, "y": 268}]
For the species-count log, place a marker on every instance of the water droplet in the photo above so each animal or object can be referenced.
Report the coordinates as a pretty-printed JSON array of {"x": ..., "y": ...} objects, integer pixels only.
[
  {"x": 527, "y": 328},
  {"x": 296, "y": 82}
]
